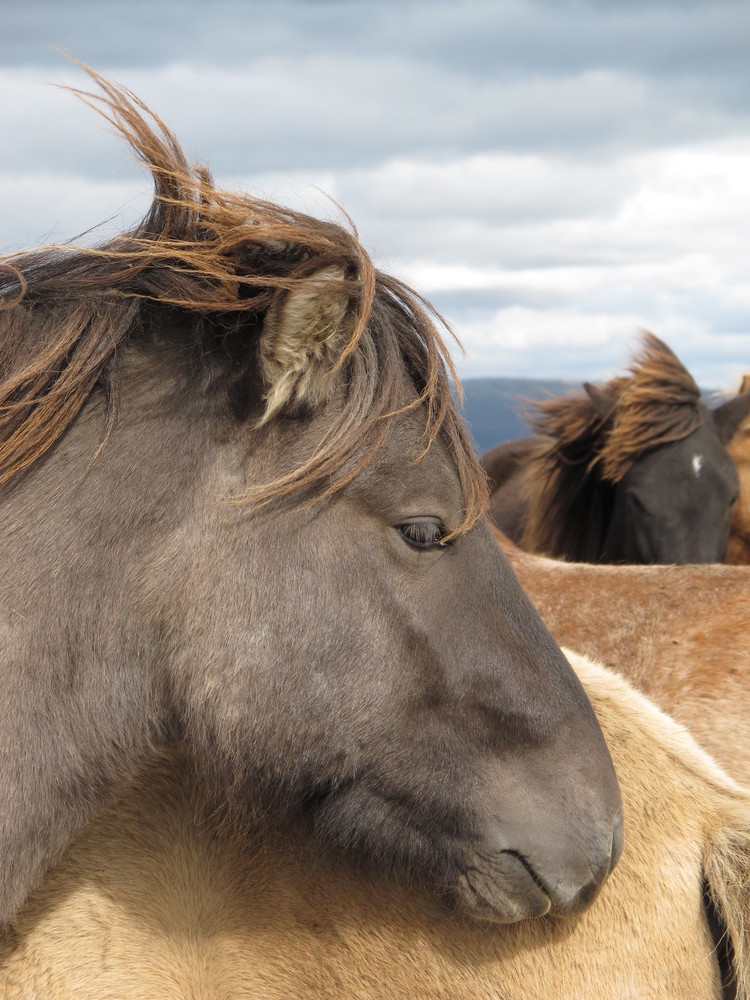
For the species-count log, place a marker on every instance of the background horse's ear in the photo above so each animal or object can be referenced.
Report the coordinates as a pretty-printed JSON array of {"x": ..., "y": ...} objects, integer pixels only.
[
  {"x": 304, "y": 334},
  {"x": 729, "y": 417},
  {"x": 603, "y": 403}
]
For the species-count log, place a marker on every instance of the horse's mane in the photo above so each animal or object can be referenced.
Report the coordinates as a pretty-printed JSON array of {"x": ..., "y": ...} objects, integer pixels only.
[
  {"x": 219, "y": 257},
  {"x": 588, "y": 447}
]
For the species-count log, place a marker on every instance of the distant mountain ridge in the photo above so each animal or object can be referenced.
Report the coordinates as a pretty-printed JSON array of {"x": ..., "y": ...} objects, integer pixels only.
[{"x": 494, "y": 407}]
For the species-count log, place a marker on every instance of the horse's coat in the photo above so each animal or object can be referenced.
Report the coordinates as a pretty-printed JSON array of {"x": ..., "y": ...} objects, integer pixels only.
[
  {"x": 679, "y": 633},
  {"x": 635, "y": 472},
  {"x": 157, "y": 899},
  {"x": 238, "y": 505}
]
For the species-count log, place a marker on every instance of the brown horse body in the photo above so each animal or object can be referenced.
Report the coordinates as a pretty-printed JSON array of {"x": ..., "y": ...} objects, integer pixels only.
[
  {"x": 159, "y": 899},
  {"x": 678, "y": 633}
]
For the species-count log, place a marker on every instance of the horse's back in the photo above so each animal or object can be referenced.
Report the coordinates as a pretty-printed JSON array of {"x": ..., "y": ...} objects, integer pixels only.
[{"x": 678, "y": 633}]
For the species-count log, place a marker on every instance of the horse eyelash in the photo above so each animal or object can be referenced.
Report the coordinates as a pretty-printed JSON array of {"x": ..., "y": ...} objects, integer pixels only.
[{"x": 420, "y": 535}]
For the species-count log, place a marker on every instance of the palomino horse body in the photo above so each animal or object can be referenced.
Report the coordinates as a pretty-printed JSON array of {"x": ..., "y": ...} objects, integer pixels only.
[
  {"x": 636, "y": 471},
  {"x": 678, "y": 633},
  {"x": 237, "y": 507},
  {"x": 738, "y": 552},
  {"x": 157, "y": 899}
]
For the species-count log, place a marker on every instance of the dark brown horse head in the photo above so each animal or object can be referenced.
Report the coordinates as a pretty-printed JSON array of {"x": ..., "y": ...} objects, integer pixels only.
[
  {"x": 240, "y": 510},
  {"x": 634, "y": 471},
  {"x": 674, "y": 505}
]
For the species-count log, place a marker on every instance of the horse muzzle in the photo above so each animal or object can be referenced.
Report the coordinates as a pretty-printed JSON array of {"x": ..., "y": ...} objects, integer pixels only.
[
  {"x": 549, "y": 832},
  {"x": 548, "y": 875}
]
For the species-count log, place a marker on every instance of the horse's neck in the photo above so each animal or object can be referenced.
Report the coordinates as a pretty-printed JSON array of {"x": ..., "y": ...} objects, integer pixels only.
[{"x": 81, "y": 537}]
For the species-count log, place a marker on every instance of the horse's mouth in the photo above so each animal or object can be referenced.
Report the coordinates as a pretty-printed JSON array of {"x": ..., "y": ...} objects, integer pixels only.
[
  {"x": 504, "y": 888},
  {"x": 506, "y": 885}
]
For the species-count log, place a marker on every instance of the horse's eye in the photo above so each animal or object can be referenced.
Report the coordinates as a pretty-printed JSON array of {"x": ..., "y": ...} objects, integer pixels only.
[{"x": 424, "y": 534}]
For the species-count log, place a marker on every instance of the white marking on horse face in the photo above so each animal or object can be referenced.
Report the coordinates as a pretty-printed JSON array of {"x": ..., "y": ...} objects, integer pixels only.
[{"x": 697, "y": 464}]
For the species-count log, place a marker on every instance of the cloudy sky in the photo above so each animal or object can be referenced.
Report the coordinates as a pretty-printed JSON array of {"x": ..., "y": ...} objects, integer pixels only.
[{"x": 553, "y": 174}]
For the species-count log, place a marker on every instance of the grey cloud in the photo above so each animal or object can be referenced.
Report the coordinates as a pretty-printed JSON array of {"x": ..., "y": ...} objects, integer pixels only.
[
  {"x": 483, "y": 37},
  {"x": 390, "y": 105},
  {"x": 300, "y": 86},
  {"x": 293, "y": 115}
]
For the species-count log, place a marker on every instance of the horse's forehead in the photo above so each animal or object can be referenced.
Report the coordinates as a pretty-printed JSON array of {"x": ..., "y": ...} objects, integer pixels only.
[
  {"x": 698, "y": 458},
  {"x": 405, "y": 464},
  {"x": 702, "y": 452}
]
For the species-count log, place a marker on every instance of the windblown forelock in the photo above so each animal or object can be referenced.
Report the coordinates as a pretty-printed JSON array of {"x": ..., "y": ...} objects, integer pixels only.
[
  {"x": 220, "y": 254},
  {"x": 656, "y": 405}
]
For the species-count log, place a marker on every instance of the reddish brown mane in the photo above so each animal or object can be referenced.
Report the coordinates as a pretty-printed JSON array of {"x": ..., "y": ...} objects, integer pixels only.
[
  {"x": 585, "y": 451},
  {"x": 219, "y": 257}
]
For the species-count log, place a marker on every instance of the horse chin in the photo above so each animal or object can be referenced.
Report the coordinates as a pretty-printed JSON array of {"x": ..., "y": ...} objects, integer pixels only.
[{"x": 502, "y": 889}]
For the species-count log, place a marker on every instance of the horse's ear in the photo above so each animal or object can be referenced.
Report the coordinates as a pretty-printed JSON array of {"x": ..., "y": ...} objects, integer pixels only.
[
  {"x": 730, "y": 416},
  {"x": 604, "y": 404},
  {"x": 304, "y": 334}
]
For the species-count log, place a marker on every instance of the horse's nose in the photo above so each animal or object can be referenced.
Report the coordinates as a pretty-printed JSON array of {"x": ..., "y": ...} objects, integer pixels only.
[
  {"x": 522, "y": 871},
  {"x": 572, "y": 875},
  {"x": 542, "y": 852}
]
